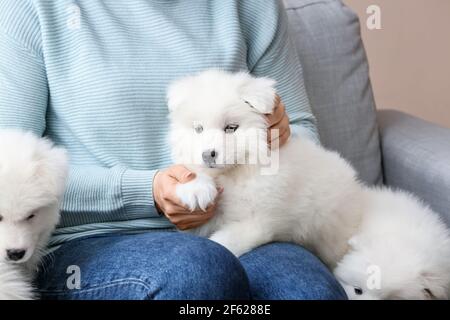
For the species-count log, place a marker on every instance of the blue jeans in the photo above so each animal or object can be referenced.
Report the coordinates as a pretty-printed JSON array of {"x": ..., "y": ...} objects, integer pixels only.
[{"x": 173, "y": 265}]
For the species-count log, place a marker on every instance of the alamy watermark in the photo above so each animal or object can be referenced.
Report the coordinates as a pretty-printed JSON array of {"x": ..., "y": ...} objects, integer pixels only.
[
  {"x": 73, "y": 282},
  {"x": 373, "y": 277},
  {"x": 214, "y": 149},
  {"x": 373, "y": 21},
  {"x": 74, "y": 17}
]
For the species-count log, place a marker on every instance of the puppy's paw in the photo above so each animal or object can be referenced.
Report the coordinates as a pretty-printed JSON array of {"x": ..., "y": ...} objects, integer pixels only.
[{"x": 198, "y": 193}]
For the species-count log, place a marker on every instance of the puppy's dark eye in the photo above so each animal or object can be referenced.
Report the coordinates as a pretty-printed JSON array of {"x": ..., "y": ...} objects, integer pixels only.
[
  {"x": 358, "y": 291},
  {"x": 1, "y": 218},
  {"x": 428, "y": 293},
  {"x": 30, "y": 217},
  {"x": 198, "y": 128},
  {"x": 230, "y": 128}
]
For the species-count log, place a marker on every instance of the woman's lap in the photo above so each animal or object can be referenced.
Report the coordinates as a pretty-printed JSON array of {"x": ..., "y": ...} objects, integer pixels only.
[
  {"x": 155, "y": 265},
  {"x": 173, "y": 265},
  {"x": 285, "y": 271}
]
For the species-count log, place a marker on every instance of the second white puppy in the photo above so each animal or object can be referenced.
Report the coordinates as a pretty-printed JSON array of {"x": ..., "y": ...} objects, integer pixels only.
[
  {"x": 401, "y": 251},
  {"x": 32, "y": 180},
  {"x": 310, "y": 196}
]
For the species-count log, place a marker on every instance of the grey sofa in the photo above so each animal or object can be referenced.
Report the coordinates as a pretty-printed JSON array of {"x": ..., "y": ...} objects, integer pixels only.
[{"x": 387, "y": 146}]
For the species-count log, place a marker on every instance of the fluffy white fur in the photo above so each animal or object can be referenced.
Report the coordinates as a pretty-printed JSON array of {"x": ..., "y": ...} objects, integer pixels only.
[
  {"x": 32, "y": 180},
  {"x": 401, "y": 251},
  {"x": 314, "y": 199}
]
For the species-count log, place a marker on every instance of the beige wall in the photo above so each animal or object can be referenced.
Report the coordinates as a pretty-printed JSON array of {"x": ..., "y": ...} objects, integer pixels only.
[{"x": 410, "y": 56}]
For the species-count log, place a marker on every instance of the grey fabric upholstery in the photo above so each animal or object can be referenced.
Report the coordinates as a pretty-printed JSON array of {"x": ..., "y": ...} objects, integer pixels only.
[
  {"x": 416, "y": 154},
  {"x": 328, "y": 41},
  {"x": 416, "y": 157}
]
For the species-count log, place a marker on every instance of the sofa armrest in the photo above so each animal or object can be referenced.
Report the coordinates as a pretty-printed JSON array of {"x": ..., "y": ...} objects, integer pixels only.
[{"x": 416, "y": 158}]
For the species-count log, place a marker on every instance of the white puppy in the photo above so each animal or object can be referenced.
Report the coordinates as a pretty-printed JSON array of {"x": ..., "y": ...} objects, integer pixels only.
[
  {"x": 302, "y": 193},
  {"x": 32, "y": 180},
  {"x": 402, "y": 251},
  {"x": 309, "y": 196}
]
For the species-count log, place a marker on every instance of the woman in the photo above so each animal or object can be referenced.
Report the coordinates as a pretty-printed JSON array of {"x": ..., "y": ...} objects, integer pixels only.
[{"x": 92, "y": 75}]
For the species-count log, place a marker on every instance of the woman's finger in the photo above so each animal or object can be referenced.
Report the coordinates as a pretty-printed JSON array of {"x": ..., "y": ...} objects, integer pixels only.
[
  {"x": 278, "y": 113},
  {"x": 275, "y": 133},
  {"x": 276, "y": 117},
  {"x": 190, "y": 219},
  {"x": 282, "y": 138},
  {"x": 193, "y": 224},
  {"x": 283, "y": 123},
  {"x": 180, "y": 173},
  {"x": 173, "y": 209},
  {"x": 187, "y": 218},
  {"x": 188, "y": 226}
]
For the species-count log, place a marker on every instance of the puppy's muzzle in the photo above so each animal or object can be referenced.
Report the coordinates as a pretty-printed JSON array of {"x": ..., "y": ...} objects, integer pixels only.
[{"x": 209, "y": 157}]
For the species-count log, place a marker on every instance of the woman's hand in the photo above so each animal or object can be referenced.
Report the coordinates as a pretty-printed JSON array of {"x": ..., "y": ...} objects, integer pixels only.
[
  {"x": 278, "y": 120},
  {"x": 164, "y": 193}
]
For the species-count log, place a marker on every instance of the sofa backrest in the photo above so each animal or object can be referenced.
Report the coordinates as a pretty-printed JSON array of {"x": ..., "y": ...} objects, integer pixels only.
[{"x": 328, "y": 40}]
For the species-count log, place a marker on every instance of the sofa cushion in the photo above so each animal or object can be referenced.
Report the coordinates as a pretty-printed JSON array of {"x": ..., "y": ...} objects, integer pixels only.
[
  {"x": 328, "y": 40},
  {"x": 416, "y": 157}
]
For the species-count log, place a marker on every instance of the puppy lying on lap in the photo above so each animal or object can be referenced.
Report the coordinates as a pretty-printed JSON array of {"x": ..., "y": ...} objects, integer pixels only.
[
  {"x": 311, "y": 196},
  {"x": 32, "y": 181}
]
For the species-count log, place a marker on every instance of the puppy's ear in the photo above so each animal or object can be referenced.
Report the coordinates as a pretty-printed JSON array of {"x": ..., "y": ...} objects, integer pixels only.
[
  {"x": 177, "y": 93},
  {"x": 52, "y": 166},
  {"x": 259, "y": 93},
  {"x": 60, "y": 162}
]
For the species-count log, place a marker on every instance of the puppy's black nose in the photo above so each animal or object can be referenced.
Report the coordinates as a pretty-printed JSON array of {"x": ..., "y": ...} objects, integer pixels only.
[
  {"x": 15, "y": 254},
  {"x": 209, "y": 155}
]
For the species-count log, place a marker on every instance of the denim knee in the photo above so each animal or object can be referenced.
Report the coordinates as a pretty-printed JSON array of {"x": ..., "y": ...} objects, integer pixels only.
[
  {"x": 287, "y": 271},
  {"x": 202, "y": 269}
]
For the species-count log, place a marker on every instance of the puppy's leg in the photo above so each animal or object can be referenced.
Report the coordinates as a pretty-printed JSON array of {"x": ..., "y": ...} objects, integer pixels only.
[
  {"x": 241, "y": 237},
  {"x": 14, "y": 285},
  {"x": 198, "y": 193}
]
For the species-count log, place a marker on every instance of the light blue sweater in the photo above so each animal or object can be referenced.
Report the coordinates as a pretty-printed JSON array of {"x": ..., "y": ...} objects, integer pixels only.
[{"x": 92, "y": 75}]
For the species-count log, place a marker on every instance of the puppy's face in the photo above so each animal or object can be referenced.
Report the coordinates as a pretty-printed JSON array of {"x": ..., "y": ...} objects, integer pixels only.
[
  {"x": 32, "y": 178},
  {"x": 217, "y": 119},
  {"x": 352, "y": 273},
  {"x": 375, "y": 273}
]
